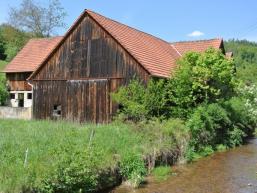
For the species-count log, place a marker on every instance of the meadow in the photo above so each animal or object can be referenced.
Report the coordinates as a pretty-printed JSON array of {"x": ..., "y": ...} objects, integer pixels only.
[{"x": 48, "y": 156}]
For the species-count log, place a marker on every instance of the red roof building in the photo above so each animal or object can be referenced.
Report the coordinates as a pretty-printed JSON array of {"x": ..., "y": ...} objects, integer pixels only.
[
  {"x": 74, "y": 75},
  {"x": 23, "y": 65}
]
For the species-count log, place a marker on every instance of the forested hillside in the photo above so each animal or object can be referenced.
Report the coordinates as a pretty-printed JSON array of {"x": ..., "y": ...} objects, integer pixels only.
[
  {"x": 245, "y": 56},
  {"x": 11, "y": 41}
]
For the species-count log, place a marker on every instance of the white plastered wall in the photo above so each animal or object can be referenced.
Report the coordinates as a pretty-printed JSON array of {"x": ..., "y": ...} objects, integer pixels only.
[{"x": 15, "y": 102}]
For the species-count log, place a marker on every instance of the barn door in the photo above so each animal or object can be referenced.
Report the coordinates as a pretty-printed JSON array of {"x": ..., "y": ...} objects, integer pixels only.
[{"x": 88, "y": 100}]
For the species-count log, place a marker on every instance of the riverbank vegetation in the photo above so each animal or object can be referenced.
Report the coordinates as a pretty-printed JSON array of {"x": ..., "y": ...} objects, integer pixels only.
[{"x": 218, "y": 109}]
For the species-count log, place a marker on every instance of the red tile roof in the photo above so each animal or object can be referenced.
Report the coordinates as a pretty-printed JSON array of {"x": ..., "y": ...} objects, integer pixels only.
[
  {"x": 157, "y": 56},
  {"x": 32, "y": 55},
  {"x": 197, "y": 46}
]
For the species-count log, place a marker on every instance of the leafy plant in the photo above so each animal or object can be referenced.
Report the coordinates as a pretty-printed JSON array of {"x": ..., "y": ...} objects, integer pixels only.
[
  {"x": 139, "y": 101},
  {"x": 3, "y": 90},
  {"x": 200, "y": 77},
  {"x": 133, "y": 169},
  {"x": 209, "y": 125}
]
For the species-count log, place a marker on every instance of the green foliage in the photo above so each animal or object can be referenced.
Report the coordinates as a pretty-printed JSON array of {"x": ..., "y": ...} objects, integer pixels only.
[
  {"x": 74, "y": 173},
  {"x": 236, "y": 137},
  {"x": 200, "y": 78},
  {"x": 245, "y": 58},
  {"x": 2, "y": 48},
  {"x": 3, "y": 90},
  {"x": 249, "y": 93},
  {"x": 131, "y": 99},
  {"x": 139, "y": 102},
  {"x": 209, "y": 125},
  {"x": 132, "y": 168},
  {"x": 219, "y": 125},
  {"x": 240, "y": 115},
  {"x": 162, "y": 173},
  {"x": 13, "y": 40}
]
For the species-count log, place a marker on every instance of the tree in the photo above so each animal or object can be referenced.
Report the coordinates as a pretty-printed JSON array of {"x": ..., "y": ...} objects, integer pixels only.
[
  {"x": 39, "y": 20},
  {"x": 2, "y": 48},
  {"x": 245, "y": 59},
  {"x": 200, "y": 78},
  {"x": 13, "y": 40}
]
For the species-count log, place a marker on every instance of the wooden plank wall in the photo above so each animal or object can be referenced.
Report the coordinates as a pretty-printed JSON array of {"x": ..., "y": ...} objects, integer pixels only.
[
  {"x": 80, "y": 100},
  {"x": 17, "y": 81},
  {"x": 71, "y": 77}
]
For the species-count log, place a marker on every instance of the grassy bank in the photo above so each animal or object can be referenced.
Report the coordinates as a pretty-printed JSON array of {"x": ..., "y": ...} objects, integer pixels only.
[{"x": 66, "y": 157}]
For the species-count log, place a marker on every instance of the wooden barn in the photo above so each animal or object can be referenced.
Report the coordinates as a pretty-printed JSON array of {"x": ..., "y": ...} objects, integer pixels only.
[{"x": 94, "y": 58}]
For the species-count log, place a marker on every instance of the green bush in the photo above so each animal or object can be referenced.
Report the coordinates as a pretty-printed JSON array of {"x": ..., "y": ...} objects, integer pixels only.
[
  {"x": 239, "y": 114},
  {"x": 200, "y": 78},
  {"x": 236, "y": 137},
  {"x": 139, "y": 102},
  {"x": 3, "y": 90},
  {"x": 76, "y": 171},
  {"x": 209, "y": 125},
  {"x": 131, "y": 100},
  {"x": 132, "y": 168}
]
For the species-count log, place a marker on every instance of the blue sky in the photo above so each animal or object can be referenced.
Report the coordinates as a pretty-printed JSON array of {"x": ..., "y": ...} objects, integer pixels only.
[{"x": 171, "y": 20}]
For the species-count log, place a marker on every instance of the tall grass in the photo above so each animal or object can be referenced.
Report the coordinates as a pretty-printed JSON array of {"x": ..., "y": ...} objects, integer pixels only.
[{"x": 50, "y": 156}]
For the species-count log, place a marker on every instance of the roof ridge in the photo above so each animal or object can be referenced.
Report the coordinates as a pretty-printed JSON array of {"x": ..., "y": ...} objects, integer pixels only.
[
  {"x": 202, "y": 40},
  {"x": 129, "y": 26},
  {"x": 45, "y": 38}
]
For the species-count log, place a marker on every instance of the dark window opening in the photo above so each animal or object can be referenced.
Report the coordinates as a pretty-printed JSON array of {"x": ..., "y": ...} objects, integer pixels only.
[
  {"x": 20, "y": 99},
  {"x": 12, "y": 95},
  {"x": 57, "y": 111},
  {"x": 29, "y": 96}
]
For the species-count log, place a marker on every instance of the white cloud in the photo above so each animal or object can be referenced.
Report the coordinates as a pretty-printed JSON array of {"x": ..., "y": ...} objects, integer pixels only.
[{"x": 195, "y": 33}]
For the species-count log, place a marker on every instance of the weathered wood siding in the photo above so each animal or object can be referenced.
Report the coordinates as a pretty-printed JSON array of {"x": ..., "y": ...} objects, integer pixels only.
[
  {"x": 81, "y": 74},
  {"x": 17, "y": 81},
  {"x": 80, "y": 100}
]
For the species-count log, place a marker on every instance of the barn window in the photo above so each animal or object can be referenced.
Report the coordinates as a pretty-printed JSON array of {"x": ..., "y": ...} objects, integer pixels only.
[
  {"x": 57, "y": 111},
  {"x": 29, "y": 96},
  {"x": 12, "y": 95}
]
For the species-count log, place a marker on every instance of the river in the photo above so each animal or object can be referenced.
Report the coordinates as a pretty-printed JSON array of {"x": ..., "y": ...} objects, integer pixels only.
[{"x": 233, "y": 171}]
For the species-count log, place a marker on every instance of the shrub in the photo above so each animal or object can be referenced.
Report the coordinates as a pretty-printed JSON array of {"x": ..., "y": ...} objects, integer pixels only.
[
  {"x": 236, "y": 137},
  {"x": 200, "y": 77},
  {"x": 3, "y": 90},
  {"x": 139, "y": 101},
  {"x": 249, "y": 93},
  {"x": 131, "y": 100},
  {"x": 133, "y": 169},
  {"x": 239, "y": 114},
  {"x": 209, "y": 126}
]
